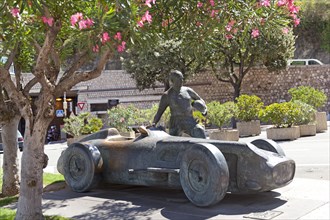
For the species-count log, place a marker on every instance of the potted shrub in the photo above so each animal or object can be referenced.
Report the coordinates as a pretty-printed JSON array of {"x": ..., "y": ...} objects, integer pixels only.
[
  {"x": 282, "y": 116},
  {"x": 220, "y": 115},
  {"x": 248, "y": 110},
  {"x": 81, "y": 125},
  {"x": 306, "y": 119},
  {"x": 315, "y": 98},
  {"x": 122, "y": 118}
]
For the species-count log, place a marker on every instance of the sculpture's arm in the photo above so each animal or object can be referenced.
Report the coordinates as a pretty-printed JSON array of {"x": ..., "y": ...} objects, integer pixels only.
[
  {"x": 163, "y": 104},
  {"x": 195, "y": 96}
]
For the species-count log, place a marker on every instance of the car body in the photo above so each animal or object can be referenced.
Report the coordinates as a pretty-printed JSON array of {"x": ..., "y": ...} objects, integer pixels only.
[
  {"x": 20, "y": 141},
  {"x": 205, "y": 169},
  {"x": 304, "y": 62}
]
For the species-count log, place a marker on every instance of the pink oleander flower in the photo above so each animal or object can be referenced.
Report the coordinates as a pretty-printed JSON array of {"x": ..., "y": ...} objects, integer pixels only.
[
  {"x": 82, "y": 24},
  {"x": 213, "y": 13},
  {"x": 234, "y": 31},
  {"x": 122, "y": 120},
  {"x": 293, "y": 9},
  {"x": 117, "y": 36},
  {"x": 228, "y": 27},
  {"x": 96, "y": 49},
  {"x": 228, "y": 36},
  {"x": 199, "y": 4},
  {"x": 89, "y": 22},
  {"x": 48, "y": 21},
  {"x": 147, "y": 17},
  {"x": 148, "y": 2},
  {"x": 15, "y": 12},
  {"x": 255, "y": 33},
  {"x": 198, "y": 23},
  {"x": 121, "y": 48},
  {"x": 281, "y": 3},
  {"x": 212, "y": 3},
  {"x": 296, "y": 22},
  {"x": 105, "y": 37},
  {"x": 75, "y": 18},
  {"x": 140, "y": 23},
  {"x": 285, "y": 30},
  {"x": 265, "y": 3}
]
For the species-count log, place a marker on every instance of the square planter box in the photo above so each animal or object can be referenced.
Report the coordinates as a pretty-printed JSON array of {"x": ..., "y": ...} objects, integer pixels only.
[
  {"x": 283, "y": 133},
  {"x": 248, "y": 128},
  {"x": 225, "y": 135},
  {"x": 321, "y": 121},
  {"x": 307, "y": 130}
]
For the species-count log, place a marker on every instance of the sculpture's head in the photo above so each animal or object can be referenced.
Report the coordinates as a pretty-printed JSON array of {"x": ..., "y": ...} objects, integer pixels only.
[{"x": 176, "y": 78}]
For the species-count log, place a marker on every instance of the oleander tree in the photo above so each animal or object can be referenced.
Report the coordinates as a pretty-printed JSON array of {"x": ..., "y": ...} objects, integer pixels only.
[
  {"x": 229, "y": 36},
  {"x": 174, "y": 40},
  {"x": 55, "y": 39},
  {"x": 257, "y": 32}
]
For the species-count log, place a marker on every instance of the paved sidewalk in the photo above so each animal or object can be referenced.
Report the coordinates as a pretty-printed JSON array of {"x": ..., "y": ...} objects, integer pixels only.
[
  {"x": 307, "y": 197},
  {"x": 302, "y": 199}
]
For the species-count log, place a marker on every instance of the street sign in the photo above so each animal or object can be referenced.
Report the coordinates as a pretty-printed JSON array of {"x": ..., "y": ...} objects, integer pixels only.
[
  {"x": 60, "y": 113},
  {"x": 81, "y": 105}
]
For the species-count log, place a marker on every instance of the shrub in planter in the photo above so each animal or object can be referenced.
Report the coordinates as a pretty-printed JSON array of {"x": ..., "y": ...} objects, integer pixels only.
[
  {"x": 315, "y": 98},
  {"x": 283, "y": 116},
  {"x": 309, "y": 95},
  {"x": 220, "y": 115},
  {"x": 82, "y": 124},
  {"x": 248, "y": 110},
  {"x": 248, "y": 107},
  {"x": 122, "y": 117},
  {"x": 146, "y": 116},
  {"x": 306, "y": 119}
]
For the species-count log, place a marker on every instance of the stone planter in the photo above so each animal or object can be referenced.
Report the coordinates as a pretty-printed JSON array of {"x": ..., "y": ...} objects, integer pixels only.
[
  {"x": 321, "y": 121},
  {"x": 248, "y": 128},
  {"x": 226, "y": 135},
  {"x": 283, "y": 133},
  {"x": 307, "y": 130}
]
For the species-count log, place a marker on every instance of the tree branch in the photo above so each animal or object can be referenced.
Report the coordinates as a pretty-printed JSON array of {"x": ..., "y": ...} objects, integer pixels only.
[{"x": 71, "y": 80}]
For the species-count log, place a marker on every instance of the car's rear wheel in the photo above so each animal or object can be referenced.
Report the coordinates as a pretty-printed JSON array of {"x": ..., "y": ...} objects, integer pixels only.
[
  {"x": 81, "y": 166},
  {"x": 204, "y": 174},
  {"x": 268, "y": 145}
]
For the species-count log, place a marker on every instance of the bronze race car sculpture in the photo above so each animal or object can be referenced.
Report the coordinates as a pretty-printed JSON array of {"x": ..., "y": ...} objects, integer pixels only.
[{"x": 205, "y": 169}]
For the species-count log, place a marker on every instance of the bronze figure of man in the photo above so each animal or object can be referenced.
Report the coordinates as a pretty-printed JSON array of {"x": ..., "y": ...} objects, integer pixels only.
[{"x": 181, "y": 100}]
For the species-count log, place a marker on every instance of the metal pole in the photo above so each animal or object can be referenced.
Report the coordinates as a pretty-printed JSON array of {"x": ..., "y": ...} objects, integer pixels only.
[{"x": 65, "y": 104}]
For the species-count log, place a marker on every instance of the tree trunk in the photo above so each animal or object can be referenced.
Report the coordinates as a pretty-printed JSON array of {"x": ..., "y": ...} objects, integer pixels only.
[
  {"x": 33, "y": 159},
  {"x": 10, "y": 180},
  {"x": 237, "y": 92}
]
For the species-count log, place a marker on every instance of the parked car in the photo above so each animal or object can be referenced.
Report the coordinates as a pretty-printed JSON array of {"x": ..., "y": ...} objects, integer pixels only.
[
  {"x": 205, "y": 169},
  {"x": 304, "y": 62},
  {"x": 20, "y": 141}
]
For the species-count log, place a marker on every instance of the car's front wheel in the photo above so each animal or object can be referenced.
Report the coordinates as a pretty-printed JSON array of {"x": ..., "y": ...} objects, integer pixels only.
[
  {"x": 81, "y": 166},
  {"x": 204, "y": 174}
]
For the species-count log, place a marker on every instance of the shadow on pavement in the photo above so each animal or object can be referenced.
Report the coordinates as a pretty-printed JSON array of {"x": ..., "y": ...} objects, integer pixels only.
[{"x": 139, "y": 202}]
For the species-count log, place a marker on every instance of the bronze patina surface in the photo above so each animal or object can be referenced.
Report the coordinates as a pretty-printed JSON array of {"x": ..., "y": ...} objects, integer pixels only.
[{"x": 205, "y": 169}]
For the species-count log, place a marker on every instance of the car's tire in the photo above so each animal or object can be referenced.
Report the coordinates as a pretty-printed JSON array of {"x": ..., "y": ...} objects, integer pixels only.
[
  {"x": 204, "y": 174},
  {"x": 268, "y": 145},
  {"x": 82, "y": 165}
]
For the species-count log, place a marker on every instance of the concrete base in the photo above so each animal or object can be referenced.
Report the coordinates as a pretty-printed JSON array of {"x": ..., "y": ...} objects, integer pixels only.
[
  {"x": 307, "y": 130},
  {"x": 248, "y": 128},
  {"x": 283, "y": 133},
  {"x": 225, "y": 135}
]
